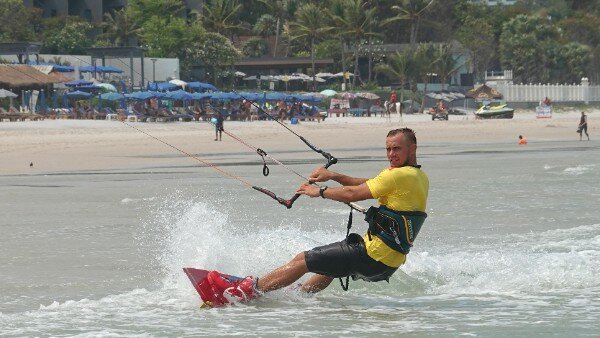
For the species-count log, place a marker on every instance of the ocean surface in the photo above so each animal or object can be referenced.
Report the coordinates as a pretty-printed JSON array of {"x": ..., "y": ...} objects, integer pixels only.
[{"x": 511, "y": 248}]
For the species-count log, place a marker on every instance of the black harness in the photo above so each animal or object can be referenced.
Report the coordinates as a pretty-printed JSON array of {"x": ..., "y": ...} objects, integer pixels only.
[{"x": 397, "y": 229}]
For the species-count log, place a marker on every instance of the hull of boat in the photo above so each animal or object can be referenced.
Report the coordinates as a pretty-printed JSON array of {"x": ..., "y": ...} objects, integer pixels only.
[{"x": 496, "y": 114}]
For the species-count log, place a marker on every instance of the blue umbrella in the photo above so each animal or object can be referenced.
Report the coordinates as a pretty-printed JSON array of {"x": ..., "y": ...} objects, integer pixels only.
[
  {"x": 161, "y": 86},
  {"x": 78, "y": 95},
  {"x": 142, "y": 96},
  {"x": 179, "y": 95},
  {"x": 275, "y": 96},
  {"x": 78, "y": 83},
  {"x": 200, "y": 96},
  {"x": 111, "y": 96},
  {"x": 224, "y": 96},
  {"x": 201, "y": 85},
  {"x": 111, "y": 69}
]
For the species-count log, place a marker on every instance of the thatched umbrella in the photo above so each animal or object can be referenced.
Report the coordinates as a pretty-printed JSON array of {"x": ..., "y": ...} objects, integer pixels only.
[{"x": 484, "y": 92}]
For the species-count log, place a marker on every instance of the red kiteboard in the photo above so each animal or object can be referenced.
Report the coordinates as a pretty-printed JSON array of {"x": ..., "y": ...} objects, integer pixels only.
[{"x": 218, "y": 289}]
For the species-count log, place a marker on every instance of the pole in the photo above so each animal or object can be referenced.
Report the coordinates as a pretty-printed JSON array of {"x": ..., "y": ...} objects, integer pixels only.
[{"x": 153, "y": 69}]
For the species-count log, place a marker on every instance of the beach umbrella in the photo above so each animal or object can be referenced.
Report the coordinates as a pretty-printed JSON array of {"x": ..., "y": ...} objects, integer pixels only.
[
  {"x": 111, "y": 96},
  {"x": 225, "y": 96},
  {"x": 368, "y": 96},
  {"x": 178, "y": 83},
  {"x": 111, "y": 69},
  {"x": 7, "y": 93},
  {"x": 347, "y": 95},
  {"x": 436, "y": 96},
  {"x": 179, "y": 95},
  {"x": 201, "y": 85},
  {"x": 78, "y": 83},
  {"x": 323, "y": 75},
  {"x": 141, "y": 96},
  {"x": 77, "y": 94},
  {"x": 200, "y": 96},
  {"x": 161, "y": 86},
  {"x": 328, "y": 92},
  {"x": 107, "y": 86}
]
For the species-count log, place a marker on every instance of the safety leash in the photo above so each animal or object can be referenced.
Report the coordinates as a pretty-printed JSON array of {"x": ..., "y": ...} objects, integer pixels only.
[{"x": 345, "y": 287}]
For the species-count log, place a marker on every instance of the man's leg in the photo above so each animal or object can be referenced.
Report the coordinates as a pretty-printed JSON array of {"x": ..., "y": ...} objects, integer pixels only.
[
  {"x": 316, "y": 283},
  {"x": 283, "y": 275}
]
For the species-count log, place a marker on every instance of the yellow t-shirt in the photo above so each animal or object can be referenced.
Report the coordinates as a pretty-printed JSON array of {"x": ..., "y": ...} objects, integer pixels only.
[{"x": 400, "y": 189}]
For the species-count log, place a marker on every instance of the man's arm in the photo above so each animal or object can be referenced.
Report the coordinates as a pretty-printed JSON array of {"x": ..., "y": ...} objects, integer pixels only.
[
  {"x": 323, "y": 175},
  {"x": 344, "y": 194}
]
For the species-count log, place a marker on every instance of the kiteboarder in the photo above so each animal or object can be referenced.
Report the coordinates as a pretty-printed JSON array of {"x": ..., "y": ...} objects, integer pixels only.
[{"x": 401, "y": 191}]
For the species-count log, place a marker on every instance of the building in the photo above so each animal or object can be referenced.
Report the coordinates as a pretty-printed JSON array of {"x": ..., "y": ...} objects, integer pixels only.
[{"x": 91, "y": 10}]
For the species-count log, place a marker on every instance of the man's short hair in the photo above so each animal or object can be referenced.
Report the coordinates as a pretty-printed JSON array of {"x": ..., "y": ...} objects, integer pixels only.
[{"x": 409, "y": 133}]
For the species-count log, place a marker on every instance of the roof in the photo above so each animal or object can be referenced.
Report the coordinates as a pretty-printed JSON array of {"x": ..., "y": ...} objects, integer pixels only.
[
  {"x": 484, "y": 92},
  {"x": 283, "y": 61},
  {"x": 14, "y": 76}
]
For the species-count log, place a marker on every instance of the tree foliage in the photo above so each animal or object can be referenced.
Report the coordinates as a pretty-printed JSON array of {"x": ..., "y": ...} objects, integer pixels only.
[
  {"x": 66, "y": 35},
  {"x": 18, "y": 22}
]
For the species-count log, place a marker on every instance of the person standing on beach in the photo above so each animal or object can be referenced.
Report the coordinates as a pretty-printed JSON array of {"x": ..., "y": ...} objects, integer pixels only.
[
  {"x": 219, "y": 126},
  {"x": 583, "y": 127},
  {"x": 401, "y": 190}
]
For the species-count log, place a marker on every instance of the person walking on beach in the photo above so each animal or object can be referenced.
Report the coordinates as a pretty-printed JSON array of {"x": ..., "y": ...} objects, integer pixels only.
[
  {"x": 219, "y": 126},
  {"x": 401, "y": 190},
  {"x": 583, "y": 127}
]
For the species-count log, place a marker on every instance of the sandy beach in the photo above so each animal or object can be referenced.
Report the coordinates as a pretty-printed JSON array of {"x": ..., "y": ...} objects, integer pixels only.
[{"x": 74, "y": 145}]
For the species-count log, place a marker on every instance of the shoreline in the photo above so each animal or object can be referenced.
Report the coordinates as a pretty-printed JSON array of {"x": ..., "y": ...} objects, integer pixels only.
[{"x": 57, "y": 146}]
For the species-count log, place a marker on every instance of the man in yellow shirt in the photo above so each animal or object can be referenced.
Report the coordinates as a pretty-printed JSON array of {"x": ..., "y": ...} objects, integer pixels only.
[{"x": 401, "y": 191}]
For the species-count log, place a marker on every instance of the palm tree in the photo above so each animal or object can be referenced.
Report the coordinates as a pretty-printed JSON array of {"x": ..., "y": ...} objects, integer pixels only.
[
  {"x": 281, "y": 10},
  {"x": 222, "y": 16},
  {"x": 399, "y": 66},
  {"x": 446, "y": 64},
  {"x": 120, "y": 28},
  {"x": 358, "y": 21},
  {"x": 410, "y": 10},
  {"x": 310, "y": 25}
]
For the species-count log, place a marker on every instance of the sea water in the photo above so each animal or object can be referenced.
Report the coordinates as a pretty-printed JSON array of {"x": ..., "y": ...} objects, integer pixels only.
[{"x": 511, "y": 247}]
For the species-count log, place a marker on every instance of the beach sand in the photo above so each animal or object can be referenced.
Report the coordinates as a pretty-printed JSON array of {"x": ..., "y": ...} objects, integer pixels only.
[{"x": 55, "y": 146}]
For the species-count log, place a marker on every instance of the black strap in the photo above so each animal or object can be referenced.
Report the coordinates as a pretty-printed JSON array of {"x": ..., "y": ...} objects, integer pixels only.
[
  {"x": 262, "y": 154},
  {"x": 345, "y": 287}
]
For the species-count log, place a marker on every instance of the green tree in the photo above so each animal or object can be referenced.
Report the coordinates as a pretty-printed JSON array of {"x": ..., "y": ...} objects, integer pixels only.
[
  {"x": 143, "y": 10},
  {"x": 120, "y": 28},
  {"x": 222, "y": 16},
  {"x": 356, "y": 23},
  {"x": 309, "y": 24},
  {"x": 411, "y": 11},
  {"x": 66, "y": 35},
  {"x": 477, "y": 35},
  {"x": 527, "y": 46},
  {"x": 214, "y": 51},
  {"x": 255, "y": 47},
  {"x": 401, "y": 67},
  {"x": 445, "y": 62},
  {"x": 571, "y": 63},
  {"x": 18, "y": 22},
  {"x": 282, "y": 10},
  {"x": 265, "y": 26},
  {"x": 163, "y": 37}
]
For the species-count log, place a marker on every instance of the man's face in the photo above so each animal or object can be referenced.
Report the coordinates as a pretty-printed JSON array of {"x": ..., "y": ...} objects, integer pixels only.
[{"x": 399, "y": 150}]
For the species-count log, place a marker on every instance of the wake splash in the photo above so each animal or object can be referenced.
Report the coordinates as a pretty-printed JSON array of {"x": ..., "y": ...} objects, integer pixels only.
[{"x": 554, "y": 261}]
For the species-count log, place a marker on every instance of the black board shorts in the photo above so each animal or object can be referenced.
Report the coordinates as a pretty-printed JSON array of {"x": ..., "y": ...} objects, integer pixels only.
[{"x": 347, "y": 258}]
